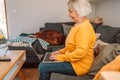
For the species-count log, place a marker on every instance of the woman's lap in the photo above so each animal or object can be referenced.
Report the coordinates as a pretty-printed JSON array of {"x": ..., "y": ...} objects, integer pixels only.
[{"x": 57, "y": 67}]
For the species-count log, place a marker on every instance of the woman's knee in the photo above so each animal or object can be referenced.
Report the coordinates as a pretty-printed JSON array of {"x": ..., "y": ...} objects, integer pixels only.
[{"x": 41, "y": 67}]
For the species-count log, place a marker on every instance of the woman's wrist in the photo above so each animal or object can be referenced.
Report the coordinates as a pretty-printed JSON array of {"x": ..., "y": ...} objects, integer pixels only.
[{"x": 59, "y": 51}]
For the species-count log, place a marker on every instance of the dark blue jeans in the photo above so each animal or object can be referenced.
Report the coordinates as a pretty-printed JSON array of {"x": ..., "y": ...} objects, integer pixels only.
[{"x": 45, "y": 69}]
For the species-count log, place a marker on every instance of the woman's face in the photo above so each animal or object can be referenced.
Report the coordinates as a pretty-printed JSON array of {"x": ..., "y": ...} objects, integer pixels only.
[{"x": 73, "y": 14}]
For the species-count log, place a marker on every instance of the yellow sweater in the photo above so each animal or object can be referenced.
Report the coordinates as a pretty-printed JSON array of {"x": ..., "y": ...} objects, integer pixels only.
[{"x": 79, "y": 47}]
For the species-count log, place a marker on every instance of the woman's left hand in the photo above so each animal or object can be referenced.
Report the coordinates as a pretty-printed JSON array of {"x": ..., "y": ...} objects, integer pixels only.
[{"x": 53, "y": 57}]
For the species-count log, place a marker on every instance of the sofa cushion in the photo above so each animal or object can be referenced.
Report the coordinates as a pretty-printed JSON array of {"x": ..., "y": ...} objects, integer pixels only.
[
  {"x": 66, "y": 29},
  {"x": 96, "y": 47},
  {"x": 117, "y": 38},
  {"x": 25, "y": 41},
  {"x": 57, "y": 76},
  {"x": 106, "y": 54},
  {"x": 108, "y": 33},
  {"x": 57, "y": 26}
]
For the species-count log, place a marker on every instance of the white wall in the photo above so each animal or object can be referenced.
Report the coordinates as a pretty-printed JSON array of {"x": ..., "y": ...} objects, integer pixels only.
[
  {"x": 27, "y": 16},
  {"x": 93, "y": 14},
  {"x": 110, "y": 11}
]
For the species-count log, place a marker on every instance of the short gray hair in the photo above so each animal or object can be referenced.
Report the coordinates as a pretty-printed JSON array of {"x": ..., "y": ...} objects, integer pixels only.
[{"x": 82, "y": 7}]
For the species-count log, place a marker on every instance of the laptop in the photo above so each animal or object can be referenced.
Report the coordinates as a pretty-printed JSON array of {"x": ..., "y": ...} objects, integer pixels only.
[
  {"x": 38, "y": 49},
  {"x": 46, "y": 58}
]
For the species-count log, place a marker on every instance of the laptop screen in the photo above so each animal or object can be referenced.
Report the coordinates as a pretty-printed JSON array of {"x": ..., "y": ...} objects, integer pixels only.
[{"x": 37, "y": 47}]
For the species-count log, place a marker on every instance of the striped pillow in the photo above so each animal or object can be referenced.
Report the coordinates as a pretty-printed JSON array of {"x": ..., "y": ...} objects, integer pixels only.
[{"x": 29, "y": 40}]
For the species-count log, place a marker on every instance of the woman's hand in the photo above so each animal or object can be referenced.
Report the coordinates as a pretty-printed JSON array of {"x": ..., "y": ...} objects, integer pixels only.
[{"x": 54, "y": 55}]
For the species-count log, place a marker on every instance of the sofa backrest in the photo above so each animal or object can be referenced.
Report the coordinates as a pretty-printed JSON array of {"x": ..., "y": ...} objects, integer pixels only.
[
  {"x": 108, "y": 33},
  {"x": 57, "y": 26}
]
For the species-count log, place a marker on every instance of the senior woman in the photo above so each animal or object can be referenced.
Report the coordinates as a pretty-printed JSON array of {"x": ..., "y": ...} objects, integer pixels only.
[{"x": 77, "y": 55}]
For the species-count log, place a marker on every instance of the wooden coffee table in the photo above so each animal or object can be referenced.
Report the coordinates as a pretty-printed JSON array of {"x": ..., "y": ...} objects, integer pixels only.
[{"x": 8, "y": 70}]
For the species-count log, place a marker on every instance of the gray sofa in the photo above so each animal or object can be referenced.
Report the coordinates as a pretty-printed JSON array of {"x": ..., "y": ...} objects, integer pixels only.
[{"x": 109, "y": 34}]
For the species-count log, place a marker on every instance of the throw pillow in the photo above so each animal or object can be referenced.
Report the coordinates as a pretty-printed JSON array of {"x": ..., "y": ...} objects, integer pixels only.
[
  {"x": 66, "y": 29},
  {"x": 100, "y": 42},
  {"x": 96, "y": 48},
  {"x": 117, "y": 38},
  {"x": 106, "y": 54},
  {"x": 25, "y": 41},
  {"x": 51, "y": 36},
  {"x": 97, "y": 35},
  {"x": 44, "y": 44}
]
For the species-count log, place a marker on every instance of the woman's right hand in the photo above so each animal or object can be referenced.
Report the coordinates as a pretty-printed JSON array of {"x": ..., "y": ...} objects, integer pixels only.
[{"x": 53, "y": 55}]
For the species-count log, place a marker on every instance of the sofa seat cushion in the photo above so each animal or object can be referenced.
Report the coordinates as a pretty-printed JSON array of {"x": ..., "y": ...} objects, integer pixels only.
[
  {"x": 57, "y": 76},
  {"x": 108, "y": 33}
]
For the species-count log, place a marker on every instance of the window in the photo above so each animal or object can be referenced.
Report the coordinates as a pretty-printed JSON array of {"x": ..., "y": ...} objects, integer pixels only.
[{"x": 3, "y": 25}]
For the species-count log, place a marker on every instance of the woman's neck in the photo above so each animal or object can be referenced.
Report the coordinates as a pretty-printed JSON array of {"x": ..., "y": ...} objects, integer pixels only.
[{"x": 80, "y": 20}]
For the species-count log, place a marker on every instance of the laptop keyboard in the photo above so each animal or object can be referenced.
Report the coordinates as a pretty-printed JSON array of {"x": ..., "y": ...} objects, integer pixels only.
[{"x": 47, "y": 57}]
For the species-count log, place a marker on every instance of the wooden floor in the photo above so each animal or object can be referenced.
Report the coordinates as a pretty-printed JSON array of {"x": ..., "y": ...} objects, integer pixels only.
[{"x": 29, "y": 73}]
